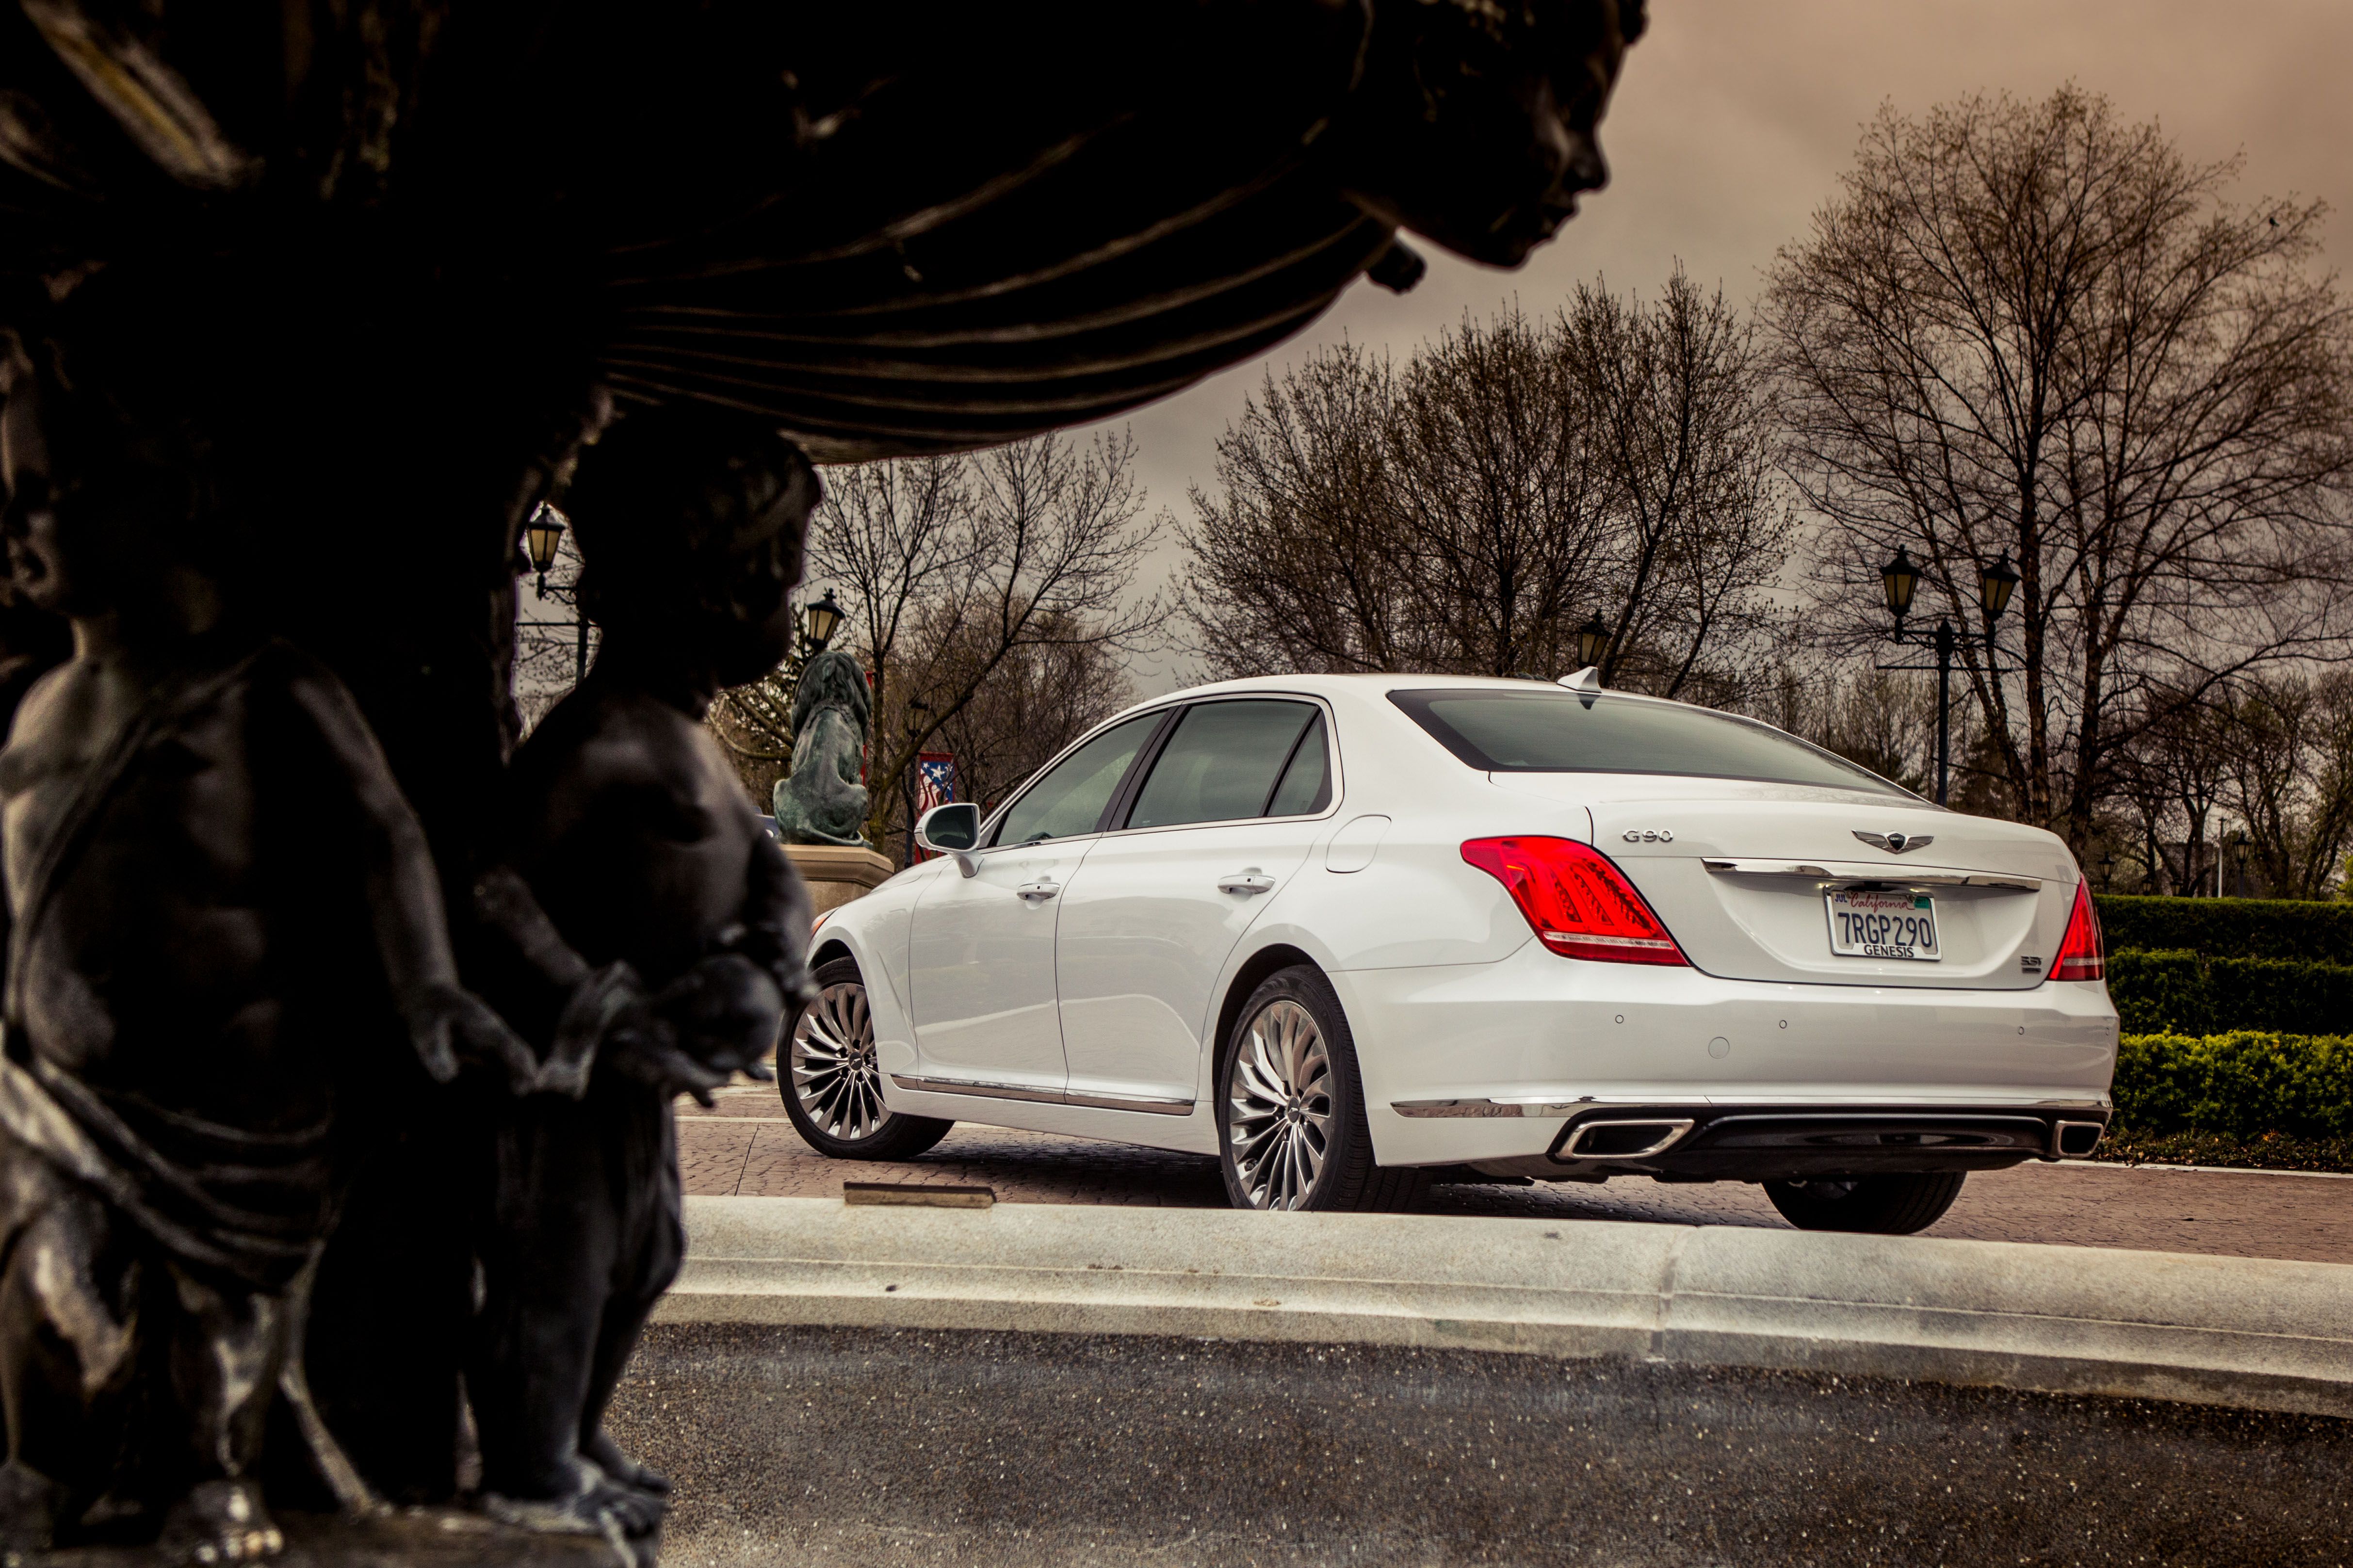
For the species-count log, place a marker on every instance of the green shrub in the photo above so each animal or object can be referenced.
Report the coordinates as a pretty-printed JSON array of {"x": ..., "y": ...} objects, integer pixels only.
[
  {"x": 2231, "y": 928},
  {"x": 2243, "y": 1084},
  {"x": 2188, "y": 994}
]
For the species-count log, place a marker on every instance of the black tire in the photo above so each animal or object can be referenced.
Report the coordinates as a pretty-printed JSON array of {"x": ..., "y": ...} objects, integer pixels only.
[
  {"x": 1869, "y": 1206},
  {"x": 1345, "y": 1178},
  {"x": 850, "y": 1096}
]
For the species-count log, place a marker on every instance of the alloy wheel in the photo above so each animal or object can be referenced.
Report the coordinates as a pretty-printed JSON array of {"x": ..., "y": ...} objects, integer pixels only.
[
  {"x": 1278, "y": 1109},
  {"x": 834, "y": 1074}
]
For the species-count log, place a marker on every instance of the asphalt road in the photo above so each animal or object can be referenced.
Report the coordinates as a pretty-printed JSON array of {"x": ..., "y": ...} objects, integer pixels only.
[
  {"x": 886, "y": 1447},
  {"x": 745, "y": 1146}
]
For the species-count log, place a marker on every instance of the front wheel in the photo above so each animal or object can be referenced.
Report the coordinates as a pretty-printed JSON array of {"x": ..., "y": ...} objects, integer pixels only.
[
  {"x": 833, "y": 1084},
  {"x": 1869, "y": 1205},
  {"x": 1290, "y": 1107}
]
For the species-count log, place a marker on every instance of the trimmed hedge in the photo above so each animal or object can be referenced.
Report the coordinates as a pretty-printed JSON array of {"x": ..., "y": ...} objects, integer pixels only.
[
  {"x": 2231, "y": 928},
  {"x": 2243, "y": 1085},
  {"x": 2190, "y": 994}
]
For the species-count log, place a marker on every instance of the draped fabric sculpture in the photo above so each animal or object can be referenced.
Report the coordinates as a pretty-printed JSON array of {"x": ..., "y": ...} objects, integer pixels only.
[{"x": 303, "y": 308}]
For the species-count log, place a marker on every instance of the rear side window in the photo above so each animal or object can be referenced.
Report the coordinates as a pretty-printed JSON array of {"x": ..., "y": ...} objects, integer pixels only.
[
  {"x": 1071, "y": 796},
  {"x": 1306, "y": 786},
  {"x": 1222, "y": 763},
  {"x": 1543, "y": 732}
]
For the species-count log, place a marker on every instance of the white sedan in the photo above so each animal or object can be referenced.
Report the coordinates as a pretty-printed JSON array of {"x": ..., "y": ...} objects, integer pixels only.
[{"x": 1344, "y": 932}]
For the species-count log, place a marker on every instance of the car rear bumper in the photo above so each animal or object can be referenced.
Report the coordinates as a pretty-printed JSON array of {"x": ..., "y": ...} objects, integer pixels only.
[
  {"x": 1759, "y": 1143},
  {"x": 1472, "y": 1064}
]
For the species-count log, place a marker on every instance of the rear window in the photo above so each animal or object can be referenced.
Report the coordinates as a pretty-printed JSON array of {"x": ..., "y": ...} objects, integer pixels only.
[{"x": 1541, "y": 732}]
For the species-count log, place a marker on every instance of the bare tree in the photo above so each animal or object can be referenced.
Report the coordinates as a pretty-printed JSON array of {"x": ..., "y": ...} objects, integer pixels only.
[
  {"x": 1465, "y": 512},
  {"x": 1497, "y": 509},
  {"x": 2032, "y": 329},
  {"x": 2287, "y": 771},
  {"x": 1680, "y": 426},
  {"x": 1039, "y": 700},
  {"x": 956, "y": 570}
]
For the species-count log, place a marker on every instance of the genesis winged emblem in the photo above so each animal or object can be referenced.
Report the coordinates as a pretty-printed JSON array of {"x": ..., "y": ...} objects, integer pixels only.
[{"x": 1896, "y": 843}]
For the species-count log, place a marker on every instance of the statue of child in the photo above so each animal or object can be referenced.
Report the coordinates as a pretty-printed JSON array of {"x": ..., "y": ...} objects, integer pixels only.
[
  {"x": 629, "y": 828},
  {"x": 225, "y": 931}
]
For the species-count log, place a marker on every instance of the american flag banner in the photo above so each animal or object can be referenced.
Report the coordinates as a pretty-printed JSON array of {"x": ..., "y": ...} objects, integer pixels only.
[{"x": 934, "y": 784}]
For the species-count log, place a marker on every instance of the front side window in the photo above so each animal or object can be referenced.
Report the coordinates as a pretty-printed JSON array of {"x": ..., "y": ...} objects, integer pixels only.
[
  {"x": 1223, "y": 763},
  {"x": 1071, "y": 798},
  {"x": 1556, "y": 731}
]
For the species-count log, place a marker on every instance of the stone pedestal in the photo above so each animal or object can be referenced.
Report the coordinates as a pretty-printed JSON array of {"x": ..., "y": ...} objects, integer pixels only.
[{"x": 836, "y": 875}]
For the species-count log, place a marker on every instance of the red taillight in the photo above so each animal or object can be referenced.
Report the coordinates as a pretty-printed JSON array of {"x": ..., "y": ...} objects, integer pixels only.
[
  {"x": 2082, "y": 955},
  {"x": 1580, "y": 905}
]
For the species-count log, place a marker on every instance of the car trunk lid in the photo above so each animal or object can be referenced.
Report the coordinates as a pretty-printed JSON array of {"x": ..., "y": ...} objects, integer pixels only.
[{"x": 1742, "y": 872}]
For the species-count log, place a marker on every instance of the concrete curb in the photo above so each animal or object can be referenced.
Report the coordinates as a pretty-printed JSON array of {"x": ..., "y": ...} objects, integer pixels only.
[{"x": 2259, "y": 1334}]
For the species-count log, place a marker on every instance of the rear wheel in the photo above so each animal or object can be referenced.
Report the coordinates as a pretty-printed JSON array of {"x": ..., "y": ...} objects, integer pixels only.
[
  {"x": 1290, "y": 1107},
  {"x": 1871, "y": 1205},
  {"x": 833, "y": 1084}
]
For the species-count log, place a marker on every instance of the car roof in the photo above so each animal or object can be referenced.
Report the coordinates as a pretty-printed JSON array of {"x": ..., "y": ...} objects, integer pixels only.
[{"x": 1374, "y": 685}]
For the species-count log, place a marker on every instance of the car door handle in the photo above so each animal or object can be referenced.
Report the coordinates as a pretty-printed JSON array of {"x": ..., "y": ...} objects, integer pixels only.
[
  {"x": 1253, "y": 881},
  {"x": 1038, "y": 889}
]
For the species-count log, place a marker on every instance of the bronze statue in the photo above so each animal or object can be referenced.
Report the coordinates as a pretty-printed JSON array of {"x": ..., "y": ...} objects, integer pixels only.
[
  {"x": 823, "y": 799},
  {"x": 409, "y": 255},
  {"x": 626, "y": 825},
  {"x": 224, "y": 925}
]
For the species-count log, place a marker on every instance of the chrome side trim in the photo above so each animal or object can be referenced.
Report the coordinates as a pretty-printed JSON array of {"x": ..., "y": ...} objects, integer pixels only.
[
  {"x": 1100, "y": 1101},
  {"x": 1484, "y": 1107},
  {"x": 1674, "y": 1130},
  {"x": 1097, "y": 1101},
  {"x": 1849, "y": 871}
]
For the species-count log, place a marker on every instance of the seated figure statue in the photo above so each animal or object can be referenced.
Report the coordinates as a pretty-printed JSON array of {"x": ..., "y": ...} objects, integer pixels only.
[
  {"x": 822, "y": 801},
  {"x": 628, "y": 828},
  {"x": 225, "y": 937}
]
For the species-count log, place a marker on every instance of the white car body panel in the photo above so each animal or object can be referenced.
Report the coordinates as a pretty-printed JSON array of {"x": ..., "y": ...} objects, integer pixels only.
[{"x": 1449, "y": 995}]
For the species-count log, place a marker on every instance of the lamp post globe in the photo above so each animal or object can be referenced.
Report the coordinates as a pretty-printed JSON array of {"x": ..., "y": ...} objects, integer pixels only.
[
  {"x": 1592, "y": 642},
  {"x": 819, "y": 620},
  {"x": 1994, "y": 585},
  {"x": 540, "y": 537},
  {"x": 1900, "y": 579}
]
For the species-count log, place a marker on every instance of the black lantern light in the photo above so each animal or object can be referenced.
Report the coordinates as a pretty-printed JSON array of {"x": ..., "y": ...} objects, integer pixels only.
[
  {"x": 2107, "y": 872},
  {"x": 1592, "y": 642},
  {"x": 1994, "y": 584},
  {"x": 819, "y": 620},
  {"x": 539, "y": 538},
  {"x": 1901, "y": 579}
]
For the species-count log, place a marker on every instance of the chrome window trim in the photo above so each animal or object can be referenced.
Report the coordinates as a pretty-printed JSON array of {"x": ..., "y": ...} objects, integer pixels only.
[{"x": 1331, "y": 757}]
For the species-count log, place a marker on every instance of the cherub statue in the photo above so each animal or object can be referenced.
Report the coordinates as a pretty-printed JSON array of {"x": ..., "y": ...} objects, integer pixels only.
[
  {"x": 223, "y": 928},
  {"x": 822, "y": 801},
  {"x": 628, "y": 828}
]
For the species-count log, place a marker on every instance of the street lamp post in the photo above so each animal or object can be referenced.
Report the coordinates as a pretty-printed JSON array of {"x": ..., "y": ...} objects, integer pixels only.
[
  {"x": 540, "y": 536},
  {"x": 820, "y": 618},
  {"x": 1592, "y": 642},
  {"x": 1899, "y": 580},
  {"x": 914, "y": 767}
]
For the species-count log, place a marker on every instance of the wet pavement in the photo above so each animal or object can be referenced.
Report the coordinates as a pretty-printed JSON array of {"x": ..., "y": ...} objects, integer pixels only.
[
  {"x": 745, "y": 1146},
  {"x": 886, "y": 1447}
]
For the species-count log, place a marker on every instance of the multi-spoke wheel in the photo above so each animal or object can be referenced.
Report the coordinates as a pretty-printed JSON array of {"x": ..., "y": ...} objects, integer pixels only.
[
  {"x": 832, "y": 1083},
  {"x": 1290, "y": 1110}
]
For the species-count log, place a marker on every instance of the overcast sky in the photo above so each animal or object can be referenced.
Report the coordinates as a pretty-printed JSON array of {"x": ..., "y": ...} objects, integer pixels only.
[{"x": 1735, "y": 118}]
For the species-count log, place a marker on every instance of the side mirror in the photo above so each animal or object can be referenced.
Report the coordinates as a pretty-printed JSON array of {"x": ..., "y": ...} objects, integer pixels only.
[{"x": 951, "y": 830}]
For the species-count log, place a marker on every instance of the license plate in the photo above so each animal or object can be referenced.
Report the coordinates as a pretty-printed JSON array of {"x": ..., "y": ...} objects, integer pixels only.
[{"x": 1884, "y": 925}]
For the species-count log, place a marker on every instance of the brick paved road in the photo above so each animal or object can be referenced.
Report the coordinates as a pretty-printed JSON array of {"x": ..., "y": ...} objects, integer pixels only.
[{"x": 745, "y": 1146}]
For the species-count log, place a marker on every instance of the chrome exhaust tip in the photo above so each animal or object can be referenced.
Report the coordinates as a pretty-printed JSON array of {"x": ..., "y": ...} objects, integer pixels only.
[
  {"x": 2073, "y": 1139},
  {"x": 1630, "y": 1140}
]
